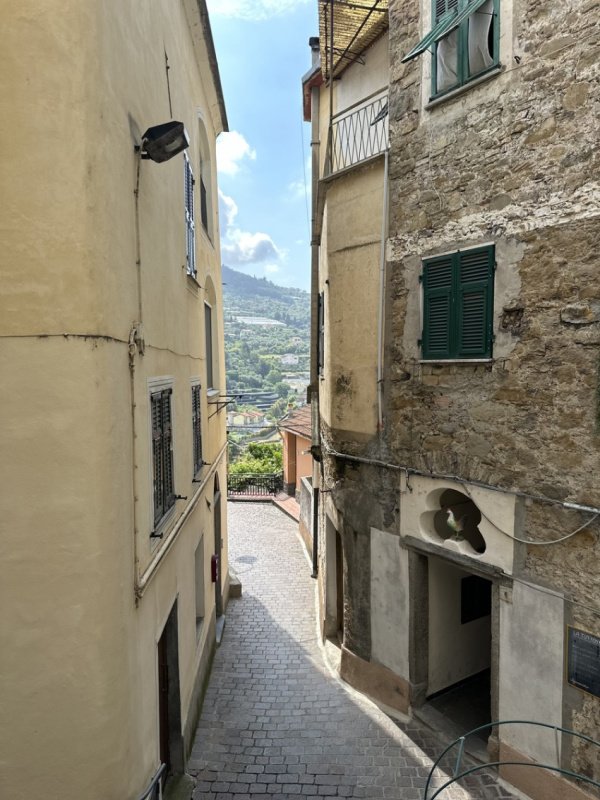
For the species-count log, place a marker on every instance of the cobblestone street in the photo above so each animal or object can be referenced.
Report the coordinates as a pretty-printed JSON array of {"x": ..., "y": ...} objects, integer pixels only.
[{"x": 276, "y": 722}]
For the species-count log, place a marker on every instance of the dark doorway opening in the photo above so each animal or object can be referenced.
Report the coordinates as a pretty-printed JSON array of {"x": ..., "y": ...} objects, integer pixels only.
[
  {"x": 169, "y": 698},
  {"x": 460, "y": 652}
]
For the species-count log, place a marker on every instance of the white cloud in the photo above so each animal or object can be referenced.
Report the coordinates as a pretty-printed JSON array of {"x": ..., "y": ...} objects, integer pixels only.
[
  {"x": 232, "y": 148},
  {"x": 296, "y": 190},
  {"x": 227, "y": 209},
  {"x": 240, "y": 247},
  {"x": 270, "y": 269},
  {"x": 254, "y": 9}
]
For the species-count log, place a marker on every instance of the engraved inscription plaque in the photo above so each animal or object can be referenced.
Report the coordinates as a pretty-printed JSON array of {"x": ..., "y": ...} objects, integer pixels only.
[{"x": 583, "y": 661}]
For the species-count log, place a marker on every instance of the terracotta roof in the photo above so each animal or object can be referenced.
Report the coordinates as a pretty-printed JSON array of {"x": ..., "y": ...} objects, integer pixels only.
[
  {"x": 356, "y": 25},
  {"x": 298, "y": 421}
]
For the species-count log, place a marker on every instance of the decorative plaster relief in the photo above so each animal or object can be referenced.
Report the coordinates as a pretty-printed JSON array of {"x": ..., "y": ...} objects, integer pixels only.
[{"x": 475, "y": 522}]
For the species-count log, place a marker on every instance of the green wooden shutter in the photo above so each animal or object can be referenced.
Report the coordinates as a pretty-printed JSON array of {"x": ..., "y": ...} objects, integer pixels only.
[
  {"x": 442, "y": 7},
  {"x": 475, "y": 303},
  {"x": 437, "y": 308}
]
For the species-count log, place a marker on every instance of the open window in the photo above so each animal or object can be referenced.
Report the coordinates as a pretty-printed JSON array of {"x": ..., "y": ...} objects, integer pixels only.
[
  {"x": 464, "y": 42},
  {"x": 205, "y": 181}
]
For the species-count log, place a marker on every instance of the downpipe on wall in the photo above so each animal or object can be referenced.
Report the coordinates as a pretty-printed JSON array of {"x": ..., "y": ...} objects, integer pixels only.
[{"x": 381, "y": 320}]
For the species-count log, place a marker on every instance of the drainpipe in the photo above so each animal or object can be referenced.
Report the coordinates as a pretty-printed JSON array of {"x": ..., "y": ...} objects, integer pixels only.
[
  {"x": 381, "y": 321},
  {"x": 136, "y": 346},
  {"x": 314, "y": 322}
]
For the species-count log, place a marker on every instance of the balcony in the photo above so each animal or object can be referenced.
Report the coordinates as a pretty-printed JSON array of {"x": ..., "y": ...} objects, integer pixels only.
[{"x": 357, "y": 134}]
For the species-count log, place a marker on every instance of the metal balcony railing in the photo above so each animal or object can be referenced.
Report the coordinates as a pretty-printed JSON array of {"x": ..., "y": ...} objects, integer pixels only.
[
  {"x": 254, "y": 485},
  {"x": 357, "y": 133},
  {"x": 441, "y": 777}
]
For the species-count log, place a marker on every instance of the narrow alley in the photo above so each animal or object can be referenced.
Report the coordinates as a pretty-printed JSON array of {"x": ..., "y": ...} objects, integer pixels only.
[{"x": 276, "y": 721}]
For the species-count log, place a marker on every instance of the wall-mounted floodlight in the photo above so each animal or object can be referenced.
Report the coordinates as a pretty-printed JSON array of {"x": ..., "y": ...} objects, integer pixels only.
[{"x": 162, "y": 142}]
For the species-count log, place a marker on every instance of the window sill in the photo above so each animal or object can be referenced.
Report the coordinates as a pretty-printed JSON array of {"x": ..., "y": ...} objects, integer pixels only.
[
  {"x": 211, "y": 393},
  {"x": 192, "y": 279},
  {"x": 437, "y": 101},
  {"x": 456, "y": 361},
  {"x": 163, "y": 528}
]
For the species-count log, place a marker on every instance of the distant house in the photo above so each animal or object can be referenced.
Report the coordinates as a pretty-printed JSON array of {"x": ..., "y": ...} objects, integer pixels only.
[
  {"x": 295, "y": 429},
  {"x": 289, "y": 360}
]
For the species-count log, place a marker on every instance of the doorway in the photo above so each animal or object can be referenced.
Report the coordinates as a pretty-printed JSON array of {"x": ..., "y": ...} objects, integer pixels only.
[
  {"x": 169, "y": 699},
  {"x": 460, "y": 647},
  {"x": 339, "y": 586},
  {"x": 218, "y": 546}
]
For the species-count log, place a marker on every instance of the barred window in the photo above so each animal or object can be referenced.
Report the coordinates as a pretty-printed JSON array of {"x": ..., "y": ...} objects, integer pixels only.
[
  {"x": 196, "y": 428},
  {"x": 162, "y": 453}
]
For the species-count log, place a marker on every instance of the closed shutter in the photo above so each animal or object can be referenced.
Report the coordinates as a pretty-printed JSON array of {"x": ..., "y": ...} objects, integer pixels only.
[
  {"x": 475, "y": 309},
  {"x": 196, "y": 428},
  {"x": 162, "y": 453},
  {"x": 437, "y": 308},
  {"x": 157, "y": 459},
  {"x": 169, "y": 483}
]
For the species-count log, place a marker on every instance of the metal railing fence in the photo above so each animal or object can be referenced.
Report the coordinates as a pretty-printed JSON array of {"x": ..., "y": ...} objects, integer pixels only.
[
  {"x": 247, "y": 484},
  {"x": 458, "y": 772},
  {"x": 358, "y": 133}
]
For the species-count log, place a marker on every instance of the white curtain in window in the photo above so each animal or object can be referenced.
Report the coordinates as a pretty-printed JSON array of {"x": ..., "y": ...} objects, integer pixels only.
[
  {"x": 447, "y": 62},
  {"x": 480, "y": 22}
]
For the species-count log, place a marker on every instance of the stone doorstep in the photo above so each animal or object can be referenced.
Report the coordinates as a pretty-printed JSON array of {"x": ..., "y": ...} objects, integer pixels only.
[{"x": 179, "y": 787}]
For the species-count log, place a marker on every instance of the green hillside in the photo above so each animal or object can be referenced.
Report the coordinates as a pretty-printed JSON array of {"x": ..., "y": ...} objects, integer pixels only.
[{"x": 267, "y": 340}]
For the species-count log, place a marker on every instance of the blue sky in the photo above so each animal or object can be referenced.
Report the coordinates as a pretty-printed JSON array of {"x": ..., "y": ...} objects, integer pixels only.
[{"x": 262, "y": 49}]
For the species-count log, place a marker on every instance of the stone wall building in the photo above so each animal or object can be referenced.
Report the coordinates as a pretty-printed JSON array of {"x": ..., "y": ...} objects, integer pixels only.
[
  {"x": 460, "y": 448},
  {"x": 113, "y": 440}
]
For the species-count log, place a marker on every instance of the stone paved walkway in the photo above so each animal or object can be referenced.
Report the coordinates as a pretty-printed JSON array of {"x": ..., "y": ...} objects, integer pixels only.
[{"x": 276, "y": 722}]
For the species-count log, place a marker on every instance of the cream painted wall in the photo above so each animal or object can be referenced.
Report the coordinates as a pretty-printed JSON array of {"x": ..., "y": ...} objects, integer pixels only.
[
  {"x": 81, "y": 83},
  {"x": 389, "y": 602},
  {"x": 361, "y": 80},
  {"x": 456, "y": 651},
  {"x": 349, "y": 272},
  {"x": 532, "y": 627}
]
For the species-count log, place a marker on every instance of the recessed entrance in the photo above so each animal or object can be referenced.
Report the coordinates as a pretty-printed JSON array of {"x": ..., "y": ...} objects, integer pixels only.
[
  {"x": 460, "y": 636},
  {"x": 334, "y": 584},
  {"x": 169, "y": 700}
]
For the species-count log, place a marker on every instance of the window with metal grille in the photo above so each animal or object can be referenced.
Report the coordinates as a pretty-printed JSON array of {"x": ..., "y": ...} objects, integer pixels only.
[
  {"x": 162, "y": 453},
  {"x": 196, "y": 428},
  {"x": 190, "y": 232},
  {"x": 464, "y": 42},
  {"x": 458, "y": 298},
  {"x": 208, "y": 335}
]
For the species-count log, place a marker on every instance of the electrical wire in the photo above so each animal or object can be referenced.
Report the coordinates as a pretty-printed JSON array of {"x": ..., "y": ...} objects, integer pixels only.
[{"x": 529, "y": 541}]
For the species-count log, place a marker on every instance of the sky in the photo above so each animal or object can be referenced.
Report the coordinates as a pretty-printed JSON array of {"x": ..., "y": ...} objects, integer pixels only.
[{"x": 264, "y": 161}]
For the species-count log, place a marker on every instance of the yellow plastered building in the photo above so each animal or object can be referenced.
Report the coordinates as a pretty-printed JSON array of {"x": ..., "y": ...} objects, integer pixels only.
[{"x": 114, "y": 564}]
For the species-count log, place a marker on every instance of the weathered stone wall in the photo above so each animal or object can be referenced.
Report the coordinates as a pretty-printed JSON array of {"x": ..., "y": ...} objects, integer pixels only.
[{"x": 512, "y": 161}]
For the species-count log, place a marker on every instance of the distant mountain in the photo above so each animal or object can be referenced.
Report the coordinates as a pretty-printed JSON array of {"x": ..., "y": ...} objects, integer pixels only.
[
  {"x": 261, "y": 356},
  {"x": 244, "y": 295}
]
